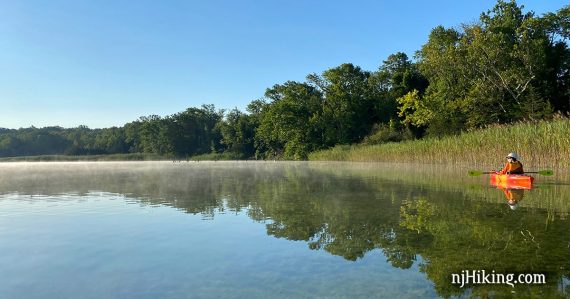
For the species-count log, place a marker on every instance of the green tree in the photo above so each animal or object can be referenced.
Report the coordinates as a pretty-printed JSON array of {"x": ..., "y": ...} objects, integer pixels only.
[
  {"x": 290, "y": 126},
  {"x": 441, "y": 106},
  {"x": 349, "y": 108},
  {"x": 237, "y": 133},
  {"x": 111, "y": 141},
  {"x": 496, "y": 70},
  {"x": 397, "y": 76}
]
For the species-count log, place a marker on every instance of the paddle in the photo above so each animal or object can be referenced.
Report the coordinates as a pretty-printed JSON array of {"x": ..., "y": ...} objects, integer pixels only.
[{"x": 546, "y": 172}]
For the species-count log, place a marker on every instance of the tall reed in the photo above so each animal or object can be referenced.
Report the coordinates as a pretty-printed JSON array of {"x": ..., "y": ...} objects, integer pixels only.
[{"x": 539, "y": 144}]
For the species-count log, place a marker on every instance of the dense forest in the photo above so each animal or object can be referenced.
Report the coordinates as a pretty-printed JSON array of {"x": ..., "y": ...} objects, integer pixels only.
[{"x": 509, "y": 66}]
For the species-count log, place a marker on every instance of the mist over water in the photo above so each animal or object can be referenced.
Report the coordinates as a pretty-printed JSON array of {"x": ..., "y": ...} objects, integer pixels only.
[{"x": 271, "y": 229}]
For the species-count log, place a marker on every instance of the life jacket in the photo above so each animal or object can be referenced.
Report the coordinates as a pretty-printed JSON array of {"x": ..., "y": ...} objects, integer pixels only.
[{"x": 515, "y": 167}]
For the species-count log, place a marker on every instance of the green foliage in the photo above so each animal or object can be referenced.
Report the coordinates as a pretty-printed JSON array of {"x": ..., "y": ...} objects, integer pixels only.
[
  {"x": 348, "y": 105},
  {"x": 237, "y": 133},
  {"x": 499, "y": 70},
  {"x": 414, "y": 110},
  {"x": 540, "y": 144},
  {"x": 187, "y": 133},
  {"x": 391, "y": 132},
  {"x": 510, "y": 66},
  {"x": 218, "y": 156},
  {"x": 289, "y": 125}
]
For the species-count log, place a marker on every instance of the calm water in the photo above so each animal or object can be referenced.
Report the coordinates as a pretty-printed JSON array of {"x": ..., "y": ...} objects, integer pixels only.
[{"x": 273, "y": 230}]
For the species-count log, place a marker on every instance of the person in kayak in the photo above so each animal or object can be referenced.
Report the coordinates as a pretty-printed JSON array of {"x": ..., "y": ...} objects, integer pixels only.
[{"x": 513, "y": 166}]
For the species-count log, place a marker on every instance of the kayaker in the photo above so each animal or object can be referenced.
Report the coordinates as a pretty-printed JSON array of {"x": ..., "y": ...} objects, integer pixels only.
[{"x": 513, "y": 166}]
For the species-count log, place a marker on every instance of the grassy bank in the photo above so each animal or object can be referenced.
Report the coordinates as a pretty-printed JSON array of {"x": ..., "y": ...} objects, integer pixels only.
[
  {"x": 114, "y": 157},
  {"x": 540, "y": 144}
]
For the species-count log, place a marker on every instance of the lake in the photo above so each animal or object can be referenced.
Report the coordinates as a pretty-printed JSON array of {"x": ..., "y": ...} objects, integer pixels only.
[{"x": 274, "y": 230}]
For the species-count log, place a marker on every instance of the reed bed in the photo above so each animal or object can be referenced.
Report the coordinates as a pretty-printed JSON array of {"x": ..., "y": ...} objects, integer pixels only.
[{"x": 539, "y": 144}]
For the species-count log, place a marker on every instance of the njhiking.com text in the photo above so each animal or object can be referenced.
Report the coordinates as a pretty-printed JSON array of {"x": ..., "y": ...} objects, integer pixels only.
[{"x": 472, "y": 277}]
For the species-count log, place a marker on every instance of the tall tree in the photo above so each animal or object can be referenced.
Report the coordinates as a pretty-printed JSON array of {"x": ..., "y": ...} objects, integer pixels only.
[
  {"x": 237, "y": 133},
  {"x": 349, "y": 106},
  {"x": 290, "y": 126},
  {"x": 496, "y": 70}
]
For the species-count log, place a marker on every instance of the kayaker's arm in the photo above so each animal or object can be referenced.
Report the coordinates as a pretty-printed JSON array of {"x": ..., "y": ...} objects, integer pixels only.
[{"x": 505, "y": 169}]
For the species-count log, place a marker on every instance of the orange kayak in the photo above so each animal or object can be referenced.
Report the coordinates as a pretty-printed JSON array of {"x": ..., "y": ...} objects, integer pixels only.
[{"x": 512, "y": 181}]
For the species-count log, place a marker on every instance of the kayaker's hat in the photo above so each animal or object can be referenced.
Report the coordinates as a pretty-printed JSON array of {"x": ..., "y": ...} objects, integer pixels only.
[{"x": 513, "y": 155}]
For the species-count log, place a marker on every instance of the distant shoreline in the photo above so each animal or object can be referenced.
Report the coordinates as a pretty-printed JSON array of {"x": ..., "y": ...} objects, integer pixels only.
[
  {"x": 540, "y": 144},
  {"x": 95, "y": 158}
]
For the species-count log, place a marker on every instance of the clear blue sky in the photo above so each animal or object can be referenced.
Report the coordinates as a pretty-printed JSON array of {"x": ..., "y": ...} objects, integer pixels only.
[{"x": 106, "y": 62}]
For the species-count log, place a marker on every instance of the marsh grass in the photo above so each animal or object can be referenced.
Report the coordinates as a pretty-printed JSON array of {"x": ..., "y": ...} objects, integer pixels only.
[{"x": 540, "y": 144}]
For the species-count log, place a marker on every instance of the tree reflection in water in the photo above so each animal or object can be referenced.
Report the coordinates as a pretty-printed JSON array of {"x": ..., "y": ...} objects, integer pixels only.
[{"x": 345, "y": 210}]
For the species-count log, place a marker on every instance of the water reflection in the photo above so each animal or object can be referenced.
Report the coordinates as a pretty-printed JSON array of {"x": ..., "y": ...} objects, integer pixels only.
[
  {"x": 513, "y": 197},
  {"x": 433, "y": 219}
]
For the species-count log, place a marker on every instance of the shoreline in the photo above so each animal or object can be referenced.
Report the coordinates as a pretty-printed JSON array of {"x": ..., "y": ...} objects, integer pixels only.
[{"x": 543, "y": 144}]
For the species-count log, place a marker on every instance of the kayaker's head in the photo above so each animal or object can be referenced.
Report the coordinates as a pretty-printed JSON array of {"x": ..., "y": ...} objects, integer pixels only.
[
  {"x": 513, "y": 205},
  {"x": 512, "y": 157}
]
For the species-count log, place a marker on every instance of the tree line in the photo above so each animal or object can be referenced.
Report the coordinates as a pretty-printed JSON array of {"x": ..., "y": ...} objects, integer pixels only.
[{"x": 509, "y": 66}]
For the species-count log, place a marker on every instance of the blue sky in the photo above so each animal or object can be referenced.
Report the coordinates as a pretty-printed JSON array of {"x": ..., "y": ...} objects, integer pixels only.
[{"x": 105, "y": 63}]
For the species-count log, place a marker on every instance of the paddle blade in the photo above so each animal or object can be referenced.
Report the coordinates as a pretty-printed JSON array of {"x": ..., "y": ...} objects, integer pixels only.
[
  {"x": 546, "y": 172},
  {"x": 475, "y": 172}
]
